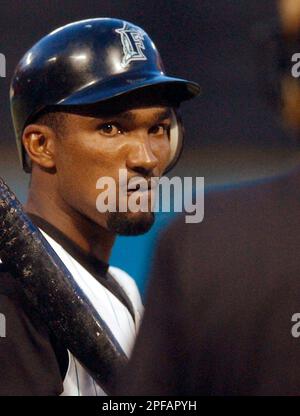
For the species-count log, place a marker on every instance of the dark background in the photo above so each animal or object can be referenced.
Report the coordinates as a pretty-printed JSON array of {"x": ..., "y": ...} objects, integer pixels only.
[{"x": 232, "y": 133}]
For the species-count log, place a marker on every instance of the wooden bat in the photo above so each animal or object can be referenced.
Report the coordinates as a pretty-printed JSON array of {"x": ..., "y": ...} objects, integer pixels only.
[{"x": 52, "y": 292}]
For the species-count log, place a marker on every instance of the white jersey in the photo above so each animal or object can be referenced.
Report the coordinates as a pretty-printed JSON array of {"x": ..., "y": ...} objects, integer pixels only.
[{"x": 77, "y": 381}]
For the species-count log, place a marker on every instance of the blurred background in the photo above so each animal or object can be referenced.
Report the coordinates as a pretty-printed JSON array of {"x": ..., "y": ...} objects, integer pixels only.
[{"x": 233, "y": 133}]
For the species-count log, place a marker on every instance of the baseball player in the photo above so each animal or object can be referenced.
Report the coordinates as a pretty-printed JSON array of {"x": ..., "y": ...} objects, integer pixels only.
[{"x": 87, "y": 100}]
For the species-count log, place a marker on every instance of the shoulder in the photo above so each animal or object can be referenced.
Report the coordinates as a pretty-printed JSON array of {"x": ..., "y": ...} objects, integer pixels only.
[
  {"x": 129, "y": 285},
  {"x": 123, "y": 278}
]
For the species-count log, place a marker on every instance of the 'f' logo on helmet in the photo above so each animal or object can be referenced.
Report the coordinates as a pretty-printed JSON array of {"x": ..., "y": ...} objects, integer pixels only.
[{"x": 132, "y": 41}]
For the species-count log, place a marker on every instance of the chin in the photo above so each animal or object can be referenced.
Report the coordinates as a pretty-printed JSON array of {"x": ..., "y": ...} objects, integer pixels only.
[{"x": 124, "y": 223}]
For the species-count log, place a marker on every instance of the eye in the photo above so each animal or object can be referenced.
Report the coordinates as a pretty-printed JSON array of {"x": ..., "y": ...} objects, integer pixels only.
[
  {"x": 109, "y": 129},
  {"x": 160, "y": 129}
]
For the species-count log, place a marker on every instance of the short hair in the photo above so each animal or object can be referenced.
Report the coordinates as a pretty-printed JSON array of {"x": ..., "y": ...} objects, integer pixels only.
[{"x": 53, "y": 118}]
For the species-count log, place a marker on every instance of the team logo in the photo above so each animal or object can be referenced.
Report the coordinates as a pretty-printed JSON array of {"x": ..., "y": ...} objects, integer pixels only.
[{"x": 133, "y": 45}]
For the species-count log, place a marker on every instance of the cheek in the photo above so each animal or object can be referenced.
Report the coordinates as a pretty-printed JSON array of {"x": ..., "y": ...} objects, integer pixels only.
[
  {"x": 81, "y": 162},
  {"x": 162, "y": 150},
  {"x": 87, "y": 155}
]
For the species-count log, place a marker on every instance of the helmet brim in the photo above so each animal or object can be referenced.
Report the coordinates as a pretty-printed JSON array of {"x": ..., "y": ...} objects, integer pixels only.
[{"x": 174, "y": 89}]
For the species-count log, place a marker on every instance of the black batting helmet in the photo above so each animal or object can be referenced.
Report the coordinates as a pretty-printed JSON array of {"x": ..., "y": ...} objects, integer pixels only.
[{"x": 87, "y": 62}]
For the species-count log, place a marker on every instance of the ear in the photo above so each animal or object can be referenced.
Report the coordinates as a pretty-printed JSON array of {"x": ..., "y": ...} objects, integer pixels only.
[{"x": 39, "y": 143}]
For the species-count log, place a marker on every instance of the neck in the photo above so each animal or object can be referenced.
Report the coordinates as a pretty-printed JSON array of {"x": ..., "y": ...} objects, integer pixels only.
[{"x": 89, "y": 236}]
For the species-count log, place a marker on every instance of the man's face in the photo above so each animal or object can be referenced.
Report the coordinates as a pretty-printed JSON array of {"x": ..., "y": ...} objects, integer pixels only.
[{"x": 93, "y": 147}]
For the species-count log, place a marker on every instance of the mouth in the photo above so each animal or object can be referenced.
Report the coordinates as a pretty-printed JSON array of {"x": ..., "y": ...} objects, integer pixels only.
[
  {"x": 139, "y": 189},
  {"x": 139, "y": 185}
]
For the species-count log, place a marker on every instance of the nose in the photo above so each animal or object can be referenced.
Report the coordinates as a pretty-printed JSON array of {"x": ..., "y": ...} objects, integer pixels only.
[{"x": 141, "y": 158}]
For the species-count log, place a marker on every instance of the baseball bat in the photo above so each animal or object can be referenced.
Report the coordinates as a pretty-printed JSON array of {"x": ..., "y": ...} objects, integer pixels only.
[{"x": 53, "y": 293}]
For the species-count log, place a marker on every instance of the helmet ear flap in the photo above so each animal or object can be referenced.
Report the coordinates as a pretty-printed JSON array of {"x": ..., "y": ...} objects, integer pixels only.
[{"x": 176, "y": 139}]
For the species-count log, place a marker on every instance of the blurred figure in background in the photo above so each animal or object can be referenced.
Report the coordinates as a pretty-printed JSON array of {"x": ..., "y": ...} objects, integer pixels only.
[{"x": 223, "y": 306}]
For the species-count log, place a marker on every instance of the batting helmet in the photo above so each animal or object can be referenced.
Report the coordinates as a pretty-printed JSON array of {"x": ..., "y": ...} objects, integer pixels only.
[{"x": 87, "y": 62}]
